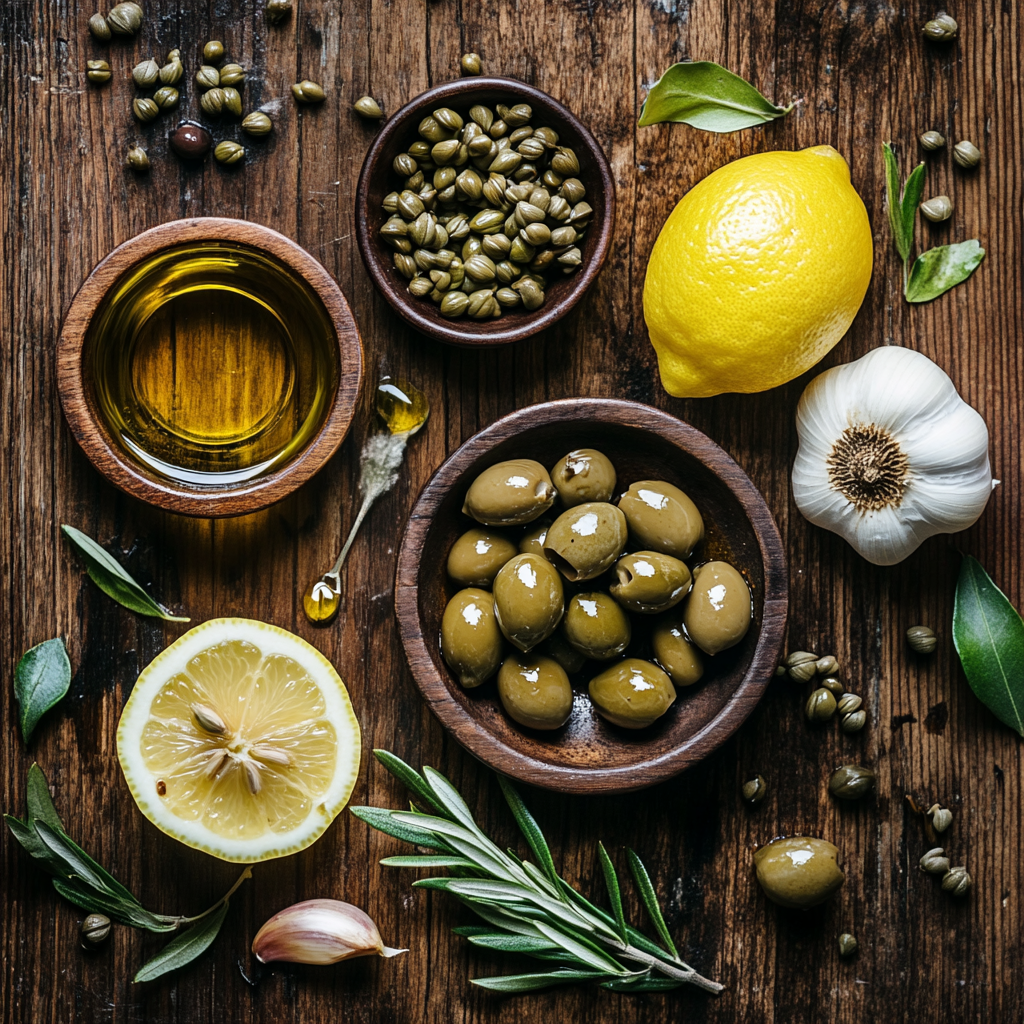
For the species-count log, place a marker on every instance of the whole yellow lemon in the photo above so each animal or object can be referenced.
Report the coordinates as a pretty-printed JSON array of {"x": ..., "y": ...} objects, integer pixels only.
[{"x": 757, "y": 273}]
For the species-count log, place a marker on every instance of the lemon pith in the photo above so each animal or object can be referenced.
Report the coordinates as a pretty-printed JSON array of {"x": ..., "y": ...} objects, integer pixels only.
[
  {"x": 240, "y": 740},
  {"x": 757, "y": 273}
]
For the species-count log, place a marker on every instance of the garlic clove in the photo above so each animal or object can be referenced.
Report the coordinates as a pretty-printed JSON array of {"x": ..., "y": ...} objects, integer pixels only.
[{"x": 319, "y": 932}]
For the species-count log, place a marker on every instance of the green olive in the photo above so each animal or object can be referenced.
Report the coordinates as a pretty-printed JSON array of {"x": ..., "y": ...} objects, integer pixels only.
[
  {"x": 649, "y": 582},
  {"x": 470, "y": 638},
  {"x": 556, "y": 646},
  {"x": 798, "y": 872},
  {"x": 717, "y": 613},
  {"x": 533, "y": 542},
  {"x": 662, "y": 518},
  {"x": 476, "y": 557},
  {"x": 535, "y": 691},
  {"x": 586, "y": 540},
  {"x": 674, "y": 653},
  {"x": 634, "y": 693},
  {"x": 528, "y": 600},
  {"x": 509, "y": 493},
  {"x": 584, "y": 475},
  {"x": 596, "y": 626}
]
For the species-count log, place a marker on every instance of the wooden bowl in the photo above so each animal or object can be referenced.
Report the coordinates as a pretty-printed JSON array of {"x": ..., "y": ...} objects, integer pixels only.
[
  {"x": 110, "y": 450},
  {"x": 377, "y": 179},
  {"x": 589, "y": 755}
]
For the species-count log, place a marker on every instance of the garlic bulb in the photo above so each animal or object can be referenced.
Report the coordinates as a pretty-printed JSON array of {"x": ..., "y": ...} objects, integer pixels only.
[
  {"x": 889, "y": 454},
  {"x": 319, "y": 932}
]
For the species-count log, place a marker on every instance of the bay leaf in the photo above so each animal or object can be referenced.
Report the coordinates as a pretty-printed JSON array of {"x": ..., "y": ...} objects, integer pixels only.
[
  {"x": 41, "y": 679},
  {"x": 988, "y": 634},
  {"x": 707, "y": 96},
  {"x": 936, "y": 271}
]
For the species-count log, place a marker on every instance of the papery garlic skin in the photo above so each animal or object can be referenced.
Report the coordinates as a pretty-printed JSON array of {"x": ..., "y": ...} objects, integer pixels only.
[
  {"x": 927, "y": 459},
  {"x": 319, "y": 932}
]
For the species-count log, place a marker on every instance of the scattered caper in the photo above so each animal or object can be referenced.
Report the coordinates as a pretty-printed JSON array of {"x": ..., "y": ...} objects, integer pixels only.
[
  {"x": 257, "y": 124},
  {"x": 851, "y": 782},
  {"x": 935, "y": 861},
  {"x": 125, "y": 19},
  {"x": 827, "y": 665},
  {"x": 145, "y": 110},
  {"x": 967, "y": 155},
  {"x": 848, "y": 703},
  {"x": 847, "y": 944},
  {"x": 138, "y": 160},
  {"x": 803, "y": 666},
  {"x": 232, "y": 74},
  {"x": 941, "y": 29},
  {"x": 754, "y": 790},
  {"x": 212, "y": 102},
  {"x": 941, "y": 817},
  {"x": 232, "y": 100},
  {"x": 308, "y": 92},
  {"x": 957, "y": 881},
  {"x": 471, "y": 64},
  {"x": 821, "y": 706},
  {"x": 931, "y": 141},
  {"x": 171, "y": 72},
  {"x": 368, "y": 107},
  {"x": 166, "y": 97},
  {"x": 277, "y": 10},
  {"x": 781, "y": 671},
  {"x": 937, "y": 209},
  {"x": 228, "y": 152},
  {"x": 854, "y": 722},
  {"x": 833, "y": 685},
  {"x": 213, "y": 51},
  {"x": 98, "y": 71},
  {"x": 94, "y": 929},
  {"x": 99, "y": 28},
  {"x": 207, "y": 77},
  {"x": 922, "y": 639}
]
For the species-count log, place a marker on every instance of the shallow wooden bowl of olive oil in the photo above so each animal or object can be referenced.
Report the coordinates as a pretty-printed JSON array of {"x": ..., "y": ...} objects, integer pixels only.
[
  {"x": 588, "y": 754},
  {"x": 209, "y": 366}
]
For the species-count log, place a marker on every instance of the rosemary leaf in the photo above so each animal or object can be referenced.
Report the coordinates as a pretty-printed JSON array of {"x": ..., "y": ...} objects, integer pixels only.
[
  {"x": 426, "y": 861},
  {"x": 383, "y": 821},
  {"x": 41, "y": 679},
  {"x": 614, "y": 894},
  {"x": 448, "y": 796},
  {"x": 650, "y": 900},
  {"x": 508, "y": 943},
  {"x": 184, "y": 948},
  {"x": 643, "y": 983},
  {"x": 530, "y": 829},
  {"x": 586, "y": 952},
  {"x": 410, "y": 778},
  {"x": 534, "y": 982}
]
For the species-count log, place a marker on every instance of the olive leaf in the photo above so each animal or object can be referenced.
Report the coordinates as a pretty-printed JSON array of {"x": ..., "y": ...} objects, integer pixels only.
[
  {"x": 112, "y": 579},
  {"x": 184, "y": 948},
  {"x": 988, "y": 634},
  {"x": 41, "y": 679},
  {"x": 707, "y": 96},
  {"x": 902, "y": 202},
  {"x": 936, "y": 271}
]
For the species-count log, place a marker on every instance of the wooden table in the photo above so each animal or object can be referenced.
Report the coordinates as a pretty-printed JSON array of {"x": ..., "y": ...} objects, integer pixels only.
[{"x": 861, "y": 74}]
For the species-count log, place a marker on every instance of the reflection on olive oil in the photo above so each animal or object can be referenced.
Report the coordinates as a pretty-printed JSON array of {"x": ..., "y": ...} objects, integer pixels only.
[{"x": 213, "y": 364}]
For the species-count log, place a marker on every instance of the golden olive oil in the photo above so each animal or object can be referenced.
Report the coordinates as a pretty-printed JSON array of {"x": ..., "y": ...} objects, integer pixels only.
[{"x": 213, "y": 364}]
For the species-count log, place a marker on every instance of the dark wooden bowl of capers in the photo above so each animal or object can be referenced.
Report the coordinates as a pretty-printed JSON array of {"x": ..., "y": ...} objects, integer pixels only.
[
  {"x": 484, "y": 211},
  {"x": 579, "y": 735}
]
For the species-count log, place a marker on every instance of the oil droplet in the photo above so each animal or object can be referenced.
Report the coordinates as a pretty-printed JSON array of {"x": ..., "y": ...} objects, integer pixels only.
[
  {"x": 320, "y": 603},
  {"x": 401, "y": 405}
]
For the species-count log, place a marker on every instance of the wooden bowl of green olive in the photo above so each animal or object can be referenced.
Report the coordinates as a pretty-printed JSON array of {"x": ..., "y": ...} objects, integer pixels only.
[
  {"x": 484, "y": 211},
  {"x": 591, "y": 595}
]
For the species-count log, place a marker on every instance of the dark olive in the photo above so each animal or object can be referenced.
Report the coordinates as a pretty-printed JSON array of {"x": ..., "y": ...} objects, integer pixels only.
[
  {"x": 476, "y": 557},
  {"x": 528, "y": 600},
  {"x": 851, "y": 782},
  {"x": 191, "y": 141},
  {"x": 662, "y": 518},
  {"x": 717, "y": 612},
  {"x": 674, "y": 653},
  {"x": 596, "y": 626},
  {"x": 798, "y": 872},
  {"x": 470, "y": 639},
  {"x": 584, "y": 541},
  {"x": 535, "y": 691},
  {"x": 511, "y": 492},
  {"x": 633, "y": 694},
  {"x": 649, "y": 582},
  {"x": 584, "y": 475}
]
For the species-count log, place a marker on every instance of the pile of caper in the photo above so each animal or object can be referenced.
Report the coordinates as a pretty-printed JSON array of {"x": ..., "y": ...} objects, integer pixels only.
[
  {"x": 829, "y": 697},
  {"x": 489, "y": 206},
  {"x": 539, "y": 605}
]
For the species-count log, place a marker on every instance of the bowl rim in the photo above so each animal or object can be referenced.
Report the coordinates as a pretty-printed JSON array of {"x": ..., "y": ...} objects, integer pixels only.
[
  {"x": 93, "y": 435},
  {"x": 740, "y": 704},
  {"x": 366, "y": 225}
]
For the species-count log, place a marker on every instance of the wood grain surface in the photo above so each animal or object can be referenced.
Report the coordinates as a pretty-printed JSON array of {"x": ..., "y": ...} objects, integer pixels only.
[{"x": 861, "y": 74}]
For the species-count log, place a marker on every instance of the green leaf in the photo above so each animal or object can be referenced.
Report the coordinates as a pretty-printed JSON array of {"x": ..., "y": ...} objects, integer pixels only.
[
  {"x": 586, "y": 952},
  {"x": 989, "y": 637},
  {"x": 533, "y": 982},
  {"x": 117, "y": 910},
  {"x": 184, "y": 948},
  {"x": 650, "y": 899},
  {"x": 383, "y": 821},
  {"x": 644, "y": 983},
  {"x": 707, "y": 96},
  {"x": 40, "y": 803},
  {"x": 41, "y": 679},
  {"x": 936, "y": 271},
  {"x": 476, "y": 847},
  {"x": 79, "y": 864},
  {"x": 410, "y": 778},
  {"x": 511, "y": 943},
  {"x": 614, "y": 893},
  {"x": 33, "y": 845},
  {"x": 530, "y": 829},
  {"x": 112, "y": 579},
  {"x": 425, "y": 861},
  {"x": 912, "y": 193},
  {"x": 902, "y": 202}
]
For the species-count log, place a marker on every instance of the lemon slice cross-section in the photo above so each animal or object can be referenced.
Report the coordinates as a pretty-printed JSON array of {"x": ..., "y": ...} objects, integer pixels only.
[{"x": 240, "y": 740}]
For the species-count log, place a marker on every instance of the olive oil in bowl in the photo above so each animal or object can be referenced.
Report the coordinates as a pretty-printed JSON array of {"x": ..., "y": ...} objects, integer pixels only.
[{"x": 212, "y": 364}]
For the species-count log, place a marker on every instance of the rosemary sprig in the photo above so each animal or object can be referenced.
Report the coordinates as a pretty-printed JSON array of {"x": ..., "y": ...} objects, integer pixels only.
[
  {"x": 526, "y": 905},
  {"x": 88, "y": 885}
]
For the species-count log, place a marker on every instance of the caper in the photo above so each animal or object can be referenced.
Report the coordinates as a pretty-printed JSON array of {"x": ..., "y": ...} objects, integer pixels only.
[
  {"x": 469, "y": 185},
  {"x": 596, "y": 626},
  {"x": 125, "y": 19},
  {"x": 166, "y": 97},
  {"x": 278, "y": 10},
  {"x": 922, "y": 639},
  {"x": 454, "y": 304},
  {"x": 632, "y": 694},
  {"x": 851, "y": 782},
  {"x": 662, "y": 518},
  {"x": 580, "y": 214},
  {"x": 448, "y": 119},
  {"x": 967, "y": 155},
  {"x": 937, "y": 209},
  {"x": 517, "y": 491},
  {"x": 213, "y": 51},
  {"x": 674, "y": 652},
  {"x": 521, "y": 251},
  {"x": 528, "y": 600},
  {"x": 98, "y": 71},
  {"x": 935, "y": 861},
  {"x": 418, "y": 286},
  {"x": 530, "y": 292},
  {"x": 212, "y": 102},
  {"x": 480, "y": 268},
  {"x": 258, "y": 124},
  {"x": 570, "y": 260},
  {"x": 798, "y": 872},
  {"x": 99, "y": 28},
  {"x": 498, "y": 129},
  {"x": 572, "y": 191},
  {"x": 957, "y": 881},
  {"x": 146, "y": 73},
  {"x": 754, "y": 790},
  {"x": 94, "y": 929},
  {"x": 821, "y": 706},
  {"x": 308, "y": 92},
  {"x": 941, "y": 817},
  {"x": 482, "y": 304},
  {"x": 170, "y": 73},
  {"x": 649, "y": 582},
  {"x": 833, "y": 685},
  {"x": 827, "y": 665},
  {"x": 138, "y": 160},
  {"x": 482, "y": 116},
  {"x": 471, "y": 641},
  {"x": 145, "y": 110},
  {"x": 507, "y": 298},
  {"x": 496, "y": 247},
  {"x": 564, "y": 162},
  {"x": 234, "y": 75},
  {"x": 585, "y": 540},
  {"x": 847, "y": 944},
  {"x": 228, "y": 152},
  {"x": 931, "y": 141},
  {"x": 802, "y": 666},
  {"x": 207, "y": 77},
  {"x": 941, "y": 29},
  {"x": 535, "y": 691},
  {"x": 406, "y": 266},
  {"x": 848, "y": 703},
  {"x": 853, "y": 722}
]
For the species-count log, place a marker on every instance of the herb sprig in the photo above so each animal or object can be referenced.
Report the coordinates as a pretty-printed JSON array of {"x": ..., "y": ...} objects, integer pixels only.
[
  {"x": 88, "y": 885},
  {"x": 526, "y": 905}
]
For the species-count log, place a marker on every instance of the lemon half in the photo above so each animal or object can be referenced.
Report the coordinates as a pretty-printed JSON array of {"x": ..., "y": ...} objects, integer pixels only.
[{"x": 240, "y": 740}]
